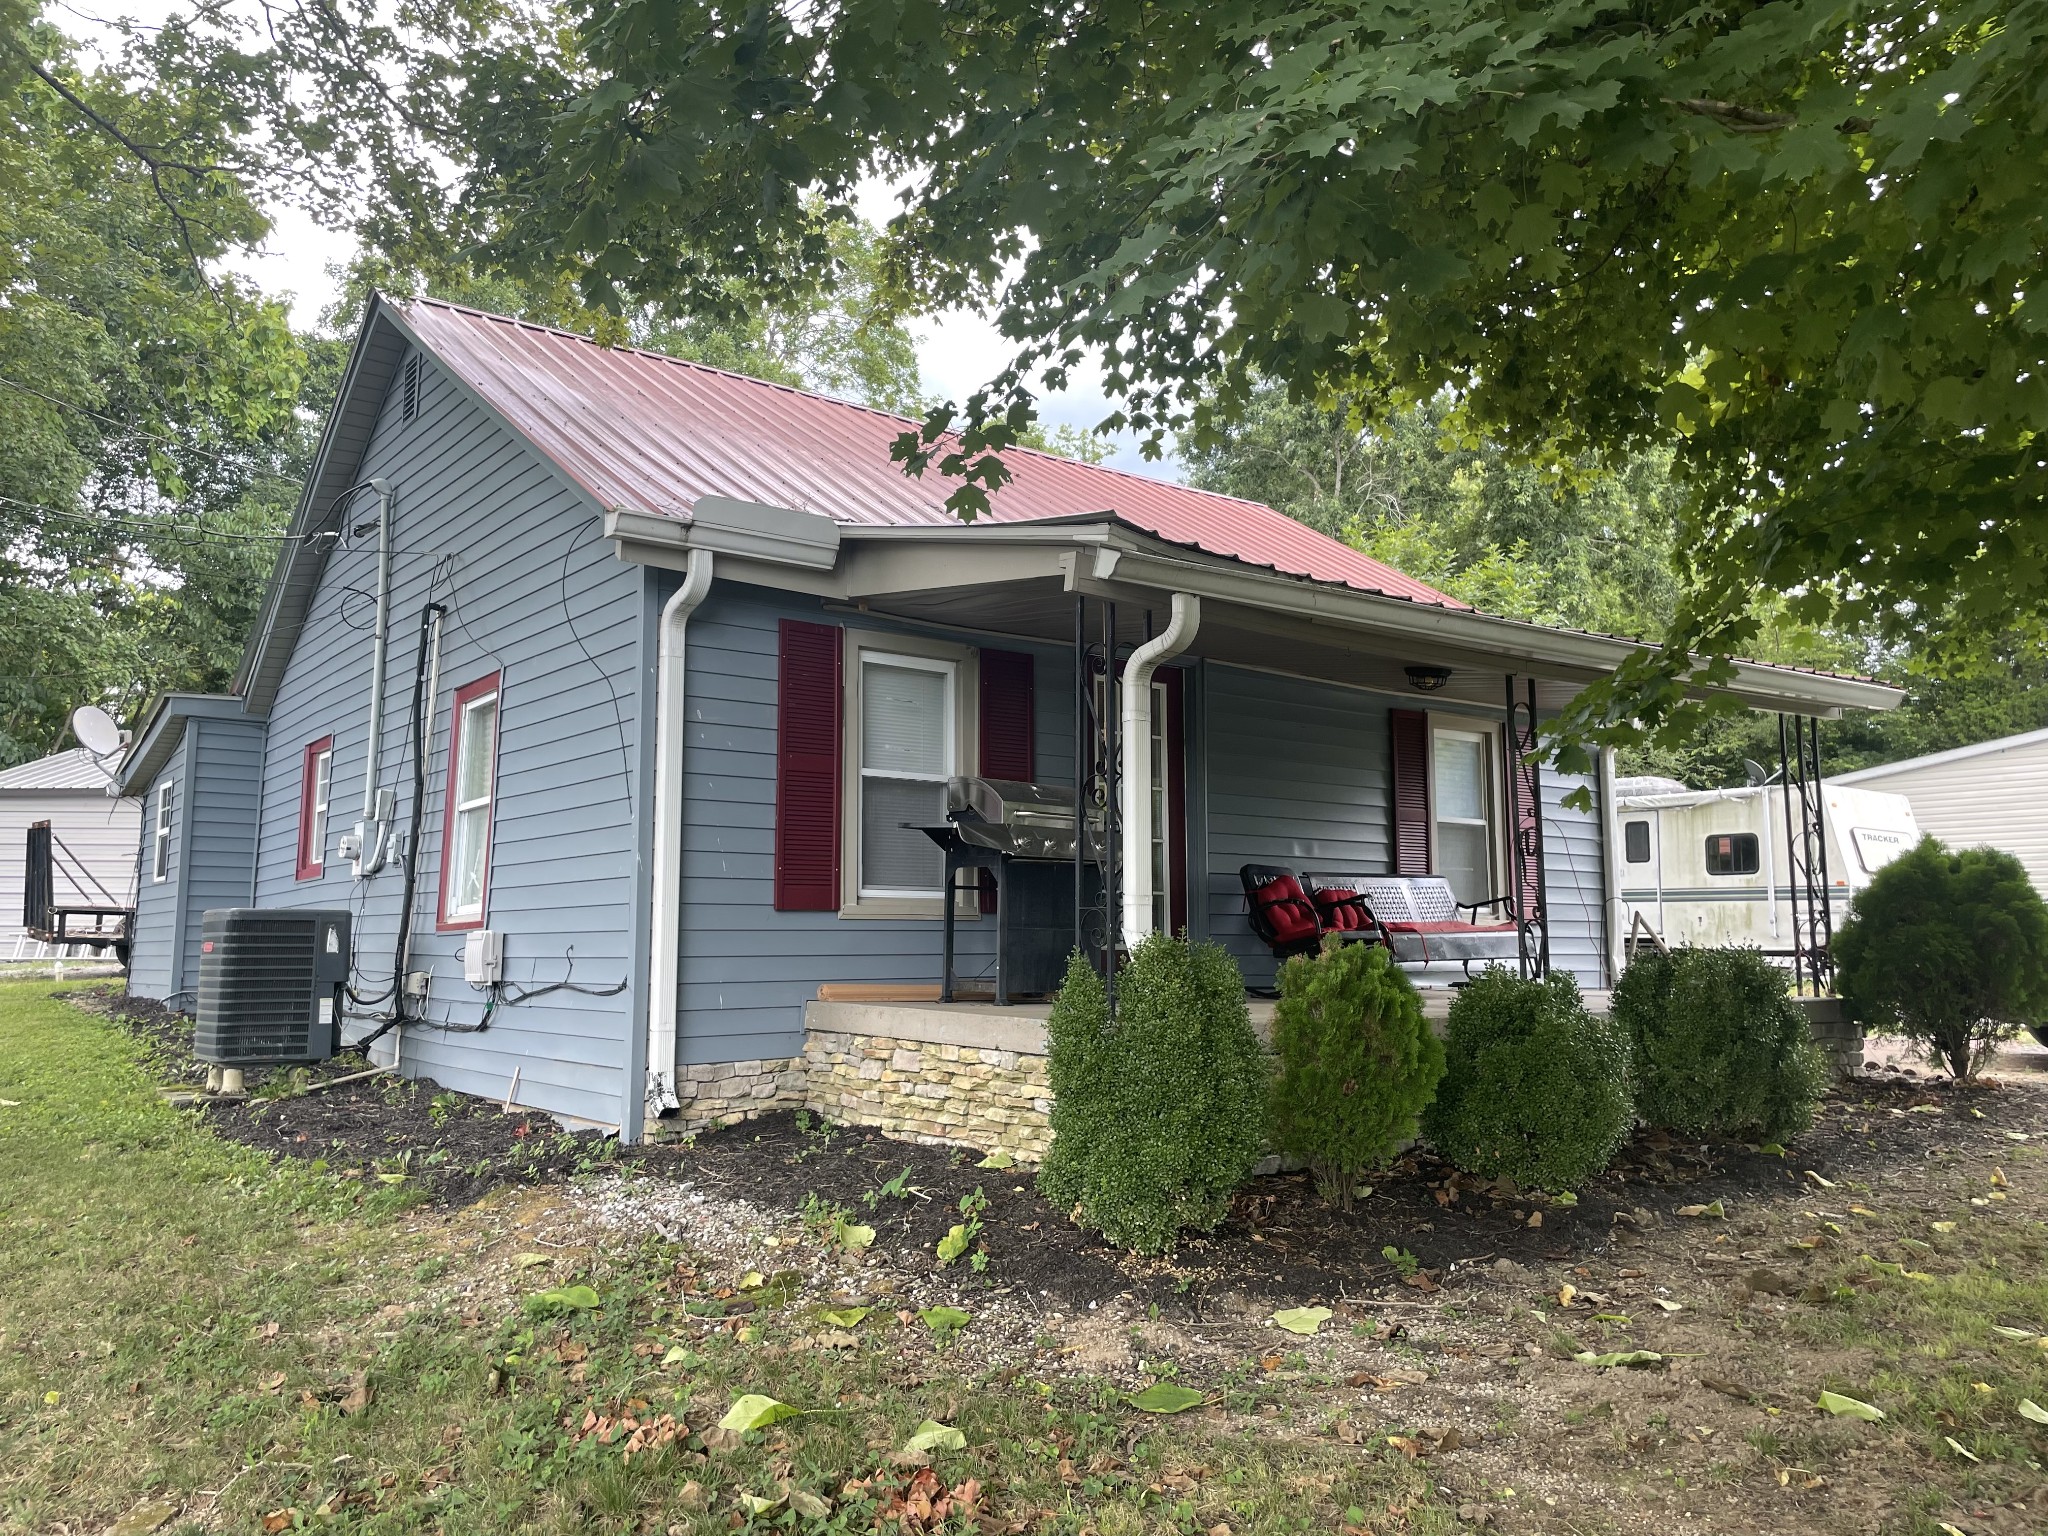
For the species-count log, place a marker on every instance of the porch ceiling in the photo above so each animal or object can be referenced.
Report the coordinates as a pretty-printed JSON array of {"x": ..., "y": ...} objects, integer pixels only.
[{"x": 1043, "y": 609}]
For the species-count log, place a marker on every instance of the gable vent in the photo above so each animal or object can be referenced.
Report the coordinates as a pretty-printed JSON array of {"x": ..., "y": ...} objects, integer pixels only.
[{"x": 410, "y": 389}]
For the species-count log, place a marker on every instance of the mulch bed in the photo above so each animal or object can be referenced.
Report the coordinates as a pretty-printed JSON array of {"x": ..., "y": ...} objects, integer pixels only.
[
  {"x": 1281, "y": 1240},
  {"x": 449, "y": 1147}
]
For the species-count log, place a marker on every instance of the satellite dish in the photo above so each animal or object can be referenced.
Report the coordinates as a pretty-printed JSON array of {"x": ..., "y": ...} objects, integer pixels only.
[{"x": 95, "y": 730}]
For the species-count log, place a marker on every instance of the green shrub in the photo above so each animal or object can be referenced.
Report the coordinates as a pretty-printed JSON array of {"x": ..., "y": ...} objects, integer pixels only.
[
  {"x": 1157, "y": 1117},
  {"x": 1535, "y": 1088},
  {"x": 1719, "y": 1049},
  {"x": 1357, "y": 1064},
  {"x": 1949, "y": 950}
]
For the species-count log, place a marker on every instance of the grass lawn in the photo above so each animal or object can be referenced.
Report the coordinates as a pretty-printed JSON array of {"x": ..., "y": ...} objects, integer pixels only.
[{"x": 196, "y": 1337}]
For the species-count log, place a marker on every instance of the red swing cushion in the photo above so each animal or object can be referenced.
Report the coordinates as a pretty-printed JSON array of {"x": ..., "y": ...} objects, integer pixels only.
[
  {"x": 1341, "y": 909},
  {"x": 1286, "y": 909}
]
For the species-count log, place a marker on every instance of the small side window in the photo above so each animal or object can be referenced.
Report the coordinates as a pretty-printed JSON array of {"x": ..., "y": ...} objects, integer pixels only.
[
  {"x": 1732, "y": 853},
  {"x": 1635, "y": 842},
  {"x": 160, "y": 855}
]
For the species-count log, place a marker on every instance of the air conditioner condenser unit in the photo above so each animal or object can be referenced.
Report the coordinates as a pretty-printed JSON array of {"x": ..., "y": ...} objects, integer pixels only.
[{"x": 270, "y": 982}]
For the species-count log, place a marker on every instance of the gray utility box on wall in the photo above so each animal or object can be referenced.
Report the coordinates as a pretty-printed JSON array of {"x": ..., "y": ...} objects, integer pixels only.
[{"x": 270, "y": 981}]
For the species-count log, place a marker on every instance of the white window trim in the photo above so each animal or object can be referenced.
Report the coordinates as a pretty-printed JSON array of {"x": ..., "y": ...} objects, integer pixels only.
[
  {"x": 866, "y": 645},
  {"x": 160, "y": 855},
  {"x": 450, "y": 912},
  {"x": 1489, "y": 734},
  {"x": 314, "y": 853}
]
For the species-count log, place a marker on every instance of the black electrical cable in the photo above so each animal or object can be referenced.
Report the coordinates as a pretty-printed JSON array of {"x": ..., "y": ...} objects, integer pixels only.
[
  {"x": 566, "y": 984},
  {"x": 429, "y": 612}
]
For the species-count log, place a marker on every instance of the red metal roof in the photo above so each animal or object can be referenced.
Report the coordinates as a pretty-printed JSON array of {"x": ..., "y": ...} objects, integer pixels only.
[{"x": 652, "y": 433}]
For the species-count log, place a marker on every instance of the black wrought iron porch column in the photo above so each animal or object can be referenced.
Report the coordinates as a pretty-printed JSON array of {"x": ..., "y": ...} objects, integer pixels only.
[
  {"x": 1112, "y": 818},
  {"x": 1806, "y": 851},
  {"x": 1529, "y": 893}
]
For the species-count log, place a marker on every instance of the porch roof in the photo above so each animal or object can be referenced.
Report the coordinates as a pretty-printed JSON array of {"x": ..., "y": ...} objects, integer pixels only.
[{"x": 1020, "y": 580}]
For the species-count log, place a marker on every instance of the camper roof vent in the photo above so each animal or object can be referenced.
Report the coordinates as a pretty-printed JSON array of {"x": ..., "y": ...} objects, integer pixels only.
[{"x": 270, "y": 981}]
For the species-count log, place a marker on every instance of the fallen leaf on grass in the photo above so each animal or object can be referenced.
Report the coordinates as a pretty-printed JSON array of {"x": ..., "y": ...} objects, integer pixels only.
[
  {"x": 1164, "y": 1397},
  {"x": 754, "y": 1411},
  {"x": 1957, "y": 1446},
  {"x": 1726, "y": 1388},
  {"x": 357, "y": 1398},
  {"x": 1849, "y": 1407},
  {"x": 1715, "y": 1211},
  {"x": 1302, "y": 1320},
  {"x": 944, "y": 1319},
  {"x": 567, "y": 1298},
  {"x": 1861, "y": 1210},
  {"x": 1626, "y": 1357},
  {"x": 1665, "y": 1306},
  {"x": 2010, "y": 1333},
  {"x": 2032, "y": 1411},
  {"x": 280, "y": 1519},
  {"x": 1944, "y": 1226},
  {"x": 853, "y": 1237},
  {"x": 808, "y": 1504},
  {"x": 531, "y": 1260},
  {"x": 1998, "y": 1179},
  {"x": 997, "y": 1159},
  {"x": 931, "y": 1436},
  {"x": 953, "y": 1244},
  {"x": 1407, "y": 1445},
  {"x": 759, "y": 1504},
  {"x": 845, "y": 1317}
]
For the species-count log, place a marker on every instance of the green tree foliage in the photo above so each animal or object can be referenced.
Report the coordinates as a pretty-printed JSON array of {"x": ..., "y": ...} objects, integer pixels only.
[
  {"x": 1948, "y": 949},
  {"x": 151, "y": 431},
  {"x": 1535, "y": 1088},
  {"x": 1720, "y": 1049},
  {"x": 1357, "y": 1064},
  {"x": 844, "y": 337},
  {"x": 1158, "y": 1114},
  {"x": 1803, "y": 241}
]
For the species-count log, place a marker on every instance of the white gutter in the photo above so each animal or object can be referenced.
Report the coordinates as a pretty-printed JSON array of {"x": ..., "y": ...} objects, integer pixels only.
[
  {"x": 371, "y": 833},
  {"x": 669, "y": 726},
  {"x": 1135, "y": 790}
]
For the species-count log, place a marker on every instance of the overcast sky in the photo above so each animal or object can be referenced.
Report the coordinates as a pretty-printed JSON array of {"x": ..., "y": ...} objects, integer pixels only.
[{"x": 956, "y": 351}]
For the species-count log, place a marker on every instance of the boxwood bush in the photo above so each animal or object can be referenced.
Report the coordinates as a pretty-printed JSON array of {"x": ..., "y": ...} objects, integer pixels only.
[
  {"x": 1357, "y": 1064},
  {"x": 1158, "y": 1115},
  {"x": 1949, "y": 950},
  {"x": 1720, "y": 1048},
  {"x": 1535, "y": 1089}
]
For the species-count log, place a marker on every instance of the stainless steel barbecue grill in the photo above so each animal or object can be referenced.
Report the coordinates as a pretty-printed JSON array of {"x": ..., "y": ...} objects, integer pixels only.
[{"x": 1023, "y": 834}]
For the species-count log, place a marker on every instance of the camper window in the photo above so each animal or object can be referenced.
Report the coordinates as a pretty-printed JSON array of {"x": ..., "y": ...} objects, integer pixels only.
[
  {"x": 1732, "y": 853},
  {"x": 1635, "y": 841}
]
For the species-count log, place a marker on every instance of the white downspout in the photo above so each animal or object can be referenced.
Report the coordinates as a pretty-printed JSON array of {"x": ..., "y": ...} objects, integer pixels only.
[
  {"x": 669, "y": 728},
  {"x": 1612, "y": 901},
  {"x": 371, "y": 834},
  {"x": 1136, "y": 786}
]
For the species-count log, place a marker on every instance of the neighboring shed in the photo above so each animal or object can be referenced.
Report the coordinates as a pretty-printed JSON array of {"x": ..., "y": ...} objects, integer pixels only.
[
  {"x": 92, "y": 836},
  {"x": 196, "y": 770},
  {"x": 1994, "y": 794}
]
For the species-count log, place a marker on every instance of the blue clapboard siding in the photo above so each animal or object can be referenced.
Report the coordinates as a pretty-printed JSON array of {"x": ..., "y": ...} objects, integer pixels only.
[
  {"x": 746, "y": 969},
  {"x": 158, "y": 907},
  {"x": 216, "y": 775},
  {"x": 1296, "y": 774},
  {"x": 1573, "y": 880},
  {"x": 481, "y": 525},
  {"x": 224, "y": 774}
]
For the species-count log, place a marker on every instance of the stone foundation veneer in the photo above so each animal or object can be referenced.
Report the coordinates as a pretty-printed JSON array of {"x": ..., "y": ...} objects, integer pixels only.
[
  {"x": 933, "y": 1092},
  {"x": 967, "y": 1075}
]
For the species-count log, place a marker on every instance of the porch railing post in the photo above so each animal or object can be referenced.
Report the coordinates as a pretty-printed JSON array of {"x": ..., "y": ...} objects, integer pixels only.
[
  {"x": 1080, "y": 769},
  {"x": 1112, "y": 820}
]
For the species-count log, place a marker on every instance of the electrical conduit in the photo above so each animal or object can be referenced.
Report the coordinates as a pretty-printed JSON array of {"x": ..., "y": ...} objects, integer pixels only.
[
  {"x": 371, "y": 832},
  {"x": 1135, "y": 792},
  {"x": 664, "y": 962}
]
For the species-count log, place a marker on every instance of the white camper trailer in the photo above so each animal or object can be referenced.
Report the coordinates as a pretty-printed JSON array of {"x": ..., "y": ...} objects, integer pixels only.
[{"x": 1708, "y": 867}]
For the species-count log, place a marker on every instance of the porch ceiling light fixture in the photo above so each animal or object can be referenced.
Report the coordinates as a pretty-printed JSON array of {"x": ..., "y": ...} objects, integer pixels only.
[{"x": 1428, "y": 679}]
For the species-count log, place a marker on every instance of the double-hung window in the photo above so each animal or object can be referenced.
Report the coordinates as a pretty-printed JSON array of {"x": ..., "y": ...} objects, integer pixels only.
[
  {"x": 1464, "y": 809},
  {"x": 160, "y": 858},
  {"x": 472, "y": 791},
  {"x": 316, "y": 780},
  {"x": 909, "y": 717},
  {"x": 908, "y": 739}
]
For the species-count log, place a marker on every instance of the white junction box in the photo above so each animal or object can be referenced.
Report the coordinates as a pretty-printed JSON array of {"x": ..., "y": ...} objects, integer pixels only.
[{"x": 483, "y": 958}]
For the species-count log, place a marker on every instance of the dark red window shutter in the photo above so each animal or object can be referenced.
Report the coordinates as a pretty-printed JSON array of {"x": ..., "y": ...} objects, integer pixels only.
[
  {"x": 1006, "y": 729},
  {"x": 1006, "y": 715},
  {"x": 1410, "y": 731},
  {"x": 807, "y": 710}
]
